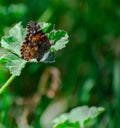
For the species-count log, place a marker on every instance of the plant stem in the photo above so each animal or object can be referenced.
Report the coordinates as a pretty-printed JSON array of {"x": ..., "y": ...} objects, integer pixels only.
[{"x": 7, "y": 83}]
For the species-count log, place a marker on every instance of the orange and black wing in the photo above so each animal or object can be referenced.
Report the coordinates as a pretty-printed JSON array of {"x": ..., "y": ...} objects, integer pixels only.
[{"x": 36, "y": 43}]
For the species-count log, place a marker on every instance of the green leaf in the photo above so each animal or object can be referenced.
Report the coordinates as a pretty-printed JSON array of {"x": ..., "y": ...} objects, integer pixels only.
[
  {"x": 16, "y": 37},
  {"x": 45, "y": 26},
  {"x": 67, "y": 124},
  {"x": 82, "y": 115},
  {"x": 18, "y": 33},
  {"x": 59, "y": 38},
  {"x": 3, "y": 59},
  {"x": 49, "y": 57},
  {"x": 59, "y": 120},
  {"x": 62, "y": 122},
  {"x": 13, "y": 63}
]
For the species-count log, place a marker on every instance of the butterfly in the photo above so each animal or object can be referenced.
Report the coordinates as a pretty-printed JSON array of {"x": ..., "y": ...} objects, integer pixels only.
[{"x": 36, "y": 43}]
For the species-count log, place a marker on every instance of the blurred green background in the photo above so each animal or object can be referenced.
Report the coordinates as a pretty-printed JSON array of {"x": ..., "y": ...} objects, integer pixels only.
[{"x": 86, "y": 72}]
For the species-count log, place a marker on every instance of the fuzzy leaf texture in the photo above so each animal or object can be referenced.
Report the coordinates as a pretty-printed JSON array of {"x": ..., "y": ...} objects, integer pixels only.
[
  {"x": 13, "y": 41},
  {"x": 78, "y": 117}
]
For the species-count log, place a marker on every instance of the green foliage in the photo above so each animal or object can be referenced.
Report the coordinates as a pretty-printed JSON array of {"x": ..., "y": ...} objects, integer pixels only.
[
  {"x": 80, "y": 115},
  {"x": 60, "y": 38},
  {"x": 86, "y": 72},
  {"x": 10, "y": 13},
  {"x": 13, "y": 63},
  {"x": 67, "y": 124},
  {"x": 14, "y": 40}
]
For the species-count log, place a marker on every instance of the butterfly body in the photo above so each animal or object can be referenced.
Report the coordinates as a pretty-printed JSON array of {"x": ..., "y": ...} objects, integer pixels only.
[{"x": 36, "y": 43}]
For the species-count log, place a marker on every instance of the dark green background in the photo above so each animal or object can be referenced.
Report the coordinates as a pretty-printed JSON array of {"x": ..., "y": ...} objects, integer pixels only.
[{"x": 89, "y": 66}]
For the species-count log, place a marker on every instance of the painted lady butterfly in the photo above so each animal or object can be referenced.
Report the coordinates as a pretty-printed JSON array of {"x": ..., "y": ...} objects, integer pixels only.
[{"x": 36, "y": 43}]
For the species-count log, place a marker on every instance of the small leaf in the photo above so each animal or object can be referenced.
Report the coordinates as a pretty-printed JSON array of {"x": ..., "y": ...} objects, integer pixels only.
[
  {"x": 14, "y": 63},
  {"x": 45, "y": 26},
  {"x": 80, "y": 114},
  {"x": 84, "y": 113},
  {"x": 60, "y": 39}
]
